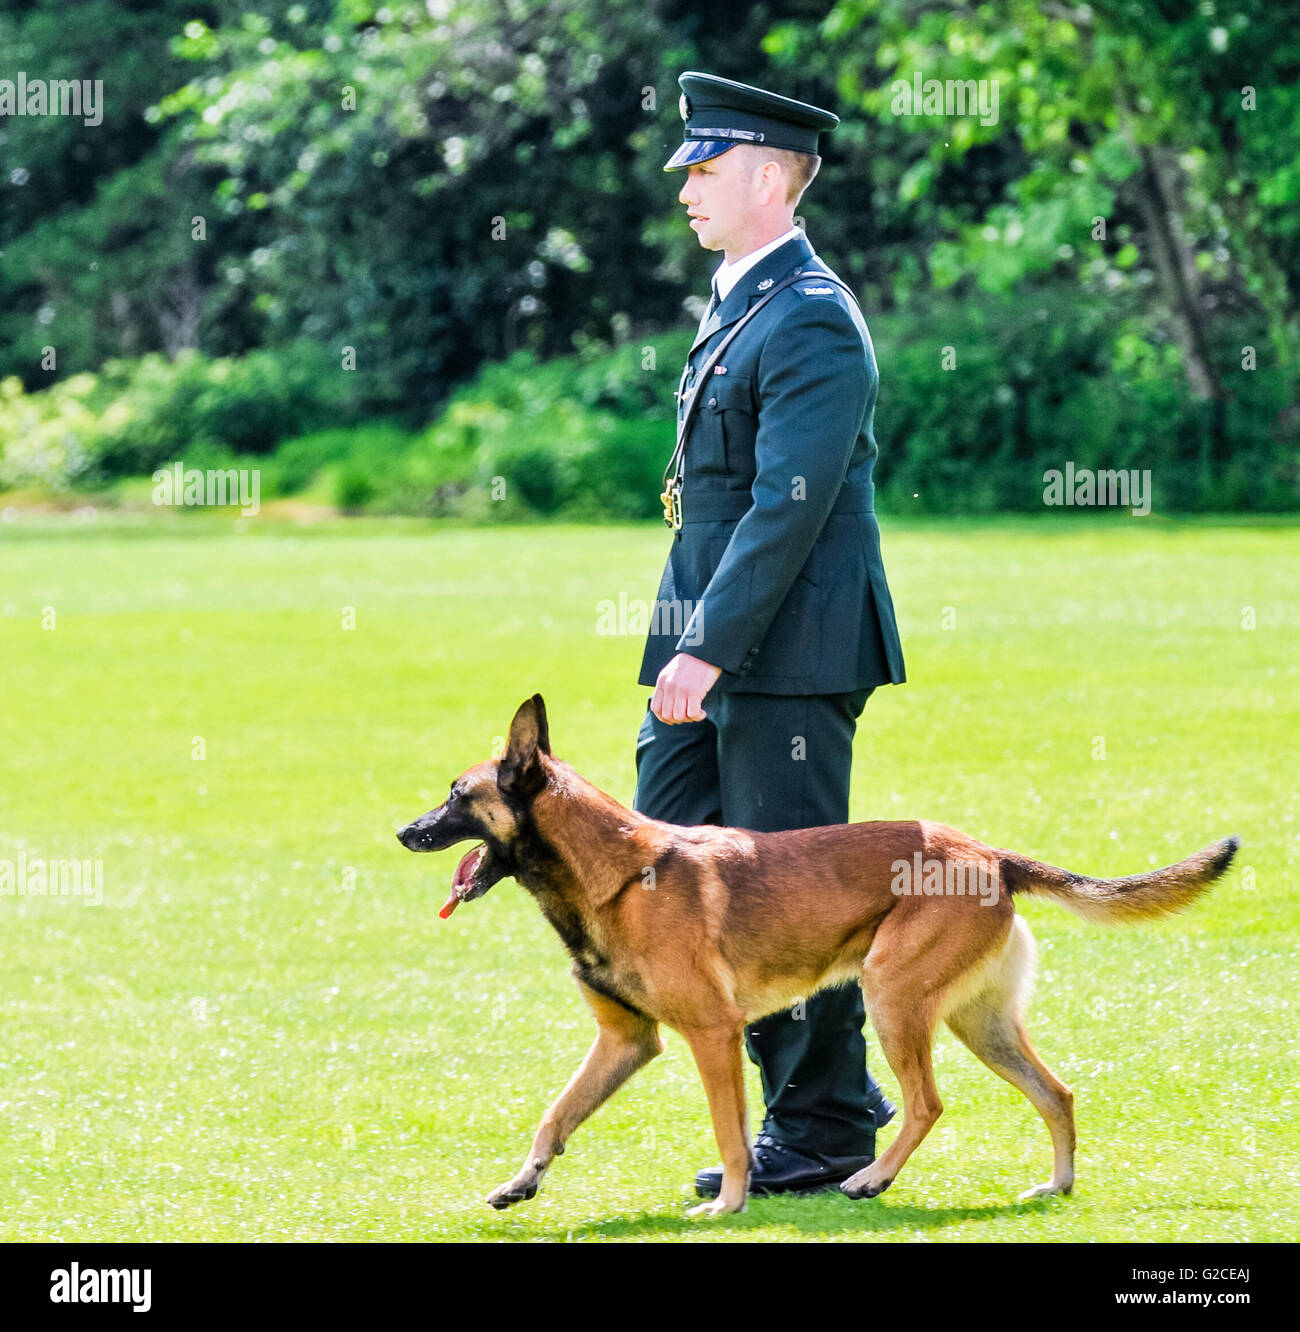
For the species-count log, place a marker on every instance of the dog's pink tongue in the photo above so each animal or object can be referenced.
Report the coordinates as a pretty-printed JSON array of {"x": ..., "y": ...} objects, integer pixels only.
[{"x": 468, "y": 863}]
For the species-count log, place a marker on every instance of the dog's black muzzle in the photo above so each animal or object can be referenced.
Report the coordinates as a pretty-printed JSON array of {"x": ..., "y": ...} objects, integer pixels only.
[{"x": 437, "y": 830}]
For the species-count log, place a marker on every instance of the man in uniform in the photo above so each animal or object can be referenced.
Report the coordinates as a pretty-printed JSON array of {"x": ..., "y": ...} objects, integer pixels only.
[{"x": 773, "y": 601}]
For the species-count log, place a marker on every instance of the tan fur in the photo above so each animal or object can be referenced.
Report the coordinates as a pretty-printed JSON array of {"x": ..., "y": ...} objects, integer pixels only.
[{"x": 738, "y": 924}]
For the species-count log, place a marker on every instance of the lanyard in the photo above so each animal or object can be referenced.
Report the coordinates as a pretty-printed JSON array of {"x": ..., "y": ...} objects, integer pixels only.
[{"x": 673, "y": 473}]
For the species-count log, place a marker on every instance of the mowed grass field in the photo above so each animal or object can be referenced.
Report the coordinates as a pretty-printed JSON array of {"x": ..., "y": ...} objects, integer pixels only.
[{"x": 264, "y": 1032}]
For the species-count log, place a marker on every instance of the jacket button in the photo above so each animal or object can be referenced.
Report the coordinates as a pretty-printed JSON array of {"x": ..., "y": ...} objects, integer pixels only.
[{"x": 713, "y": 402}]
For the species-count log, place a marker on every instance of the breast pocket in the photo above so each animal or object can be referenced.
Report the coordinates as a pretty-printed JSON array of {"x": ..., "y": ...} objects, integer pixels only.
[{"x": 733, "y": 422}]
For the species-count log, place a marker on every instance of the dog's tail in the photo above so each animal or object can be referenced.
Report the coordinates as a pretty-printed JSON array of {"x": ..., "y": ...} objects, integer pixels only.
[{"x": 1111, "y": 901}]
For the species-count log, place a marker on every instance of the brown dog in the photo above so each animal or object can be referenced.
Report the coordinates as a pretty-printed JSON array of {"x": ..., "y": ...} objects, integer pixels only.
[{"x": 707, "y": 929}]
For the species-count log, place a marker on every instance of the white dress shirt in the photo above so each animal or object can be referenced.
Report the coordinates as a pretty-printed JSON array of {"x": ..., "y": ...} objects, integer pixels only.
[{"x": 727, "y": 275}]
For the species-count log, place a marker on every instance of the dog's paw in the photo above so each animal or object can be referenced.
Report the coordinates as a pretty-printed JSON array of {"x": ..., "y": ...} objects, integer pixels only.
[
  {"x": 865, "y": 1184},
  {"x": 708, "y": 1210},
  {"x": 1049, "y": 1190},
  {"x": 520, "y": 1189}
]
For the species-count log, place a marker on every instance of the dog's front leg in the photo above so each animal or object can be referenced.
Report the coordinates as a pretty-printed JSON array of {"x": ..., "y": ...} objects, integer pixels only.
[
  {"x": 717, "y": 1055},
  {"x": 625, "y": 1042}
]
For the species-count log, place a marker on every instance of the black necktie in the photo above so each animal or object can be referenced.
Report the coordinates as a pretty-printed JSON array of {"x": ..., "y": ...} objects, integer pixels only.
[{"x": 714, "y": 302}]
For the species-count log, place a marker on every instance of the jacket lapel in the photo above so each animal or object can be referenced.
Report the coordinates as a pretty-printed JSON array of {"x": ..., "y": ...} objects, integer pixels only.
[{"x": 779, "y": 264}]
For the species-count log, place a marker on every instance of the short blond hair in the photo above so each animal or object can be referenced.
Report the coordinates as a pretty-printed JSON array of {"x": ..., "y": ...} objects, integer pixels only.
[{"x": 800, "y": 168}]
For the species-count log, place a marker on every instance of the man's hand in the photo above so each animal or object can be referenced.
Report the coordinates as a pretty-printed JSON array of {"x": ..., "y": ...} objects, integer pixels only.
[{"x": 681, "y": 687}]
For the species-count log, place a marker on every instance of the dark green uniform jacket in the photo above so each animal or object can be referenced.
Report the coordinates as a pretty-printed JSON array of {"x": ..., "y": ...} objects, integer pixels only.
[{"x": 776, "y": 575}]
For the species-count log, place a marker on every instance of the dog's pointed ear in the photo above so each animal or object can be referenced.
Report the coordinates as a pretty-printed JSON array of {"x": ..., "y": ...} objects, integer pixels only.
[
  {"x": 543, "y": 730},
  {"x": 521, "y": 771}
]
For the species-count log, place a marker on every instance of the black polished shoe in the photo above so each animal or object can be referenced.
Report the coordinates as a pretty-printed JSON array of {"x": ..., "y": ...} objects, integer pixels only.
[
  {"x": 882, "y": 1108},
  {"x": 779, "y": 1168}
]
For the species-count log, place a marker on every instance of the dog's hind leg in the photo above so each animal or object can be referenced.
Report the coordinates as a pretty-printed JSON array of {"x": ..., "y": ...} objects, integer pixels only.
[
  {"x": 990, "y": 1023},
  {"x": 919, "y": 956},
  {"x": 717, "y": 1056},
  {"x": 625, "y": 1042}
]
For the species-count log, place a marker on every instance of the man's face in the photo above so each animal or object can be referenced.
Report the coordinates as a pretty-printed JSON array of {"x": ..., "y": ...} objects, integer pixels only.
[{"x": 720, "y": 197}]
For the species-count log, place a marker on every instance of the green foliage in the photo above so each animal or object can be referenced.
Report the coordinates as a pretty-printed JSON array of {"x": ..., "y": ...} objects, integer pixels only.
[
  {"x": 354, "y": 487},
  {"x": 977, "y": 400},
  {"x": 1046, "y": 378},
  {"x": 135, "y": 416},
  {"x": 298, "y": 461},
  {"x": 508, "y": 158},
  {"x": 584, "y": 436}
]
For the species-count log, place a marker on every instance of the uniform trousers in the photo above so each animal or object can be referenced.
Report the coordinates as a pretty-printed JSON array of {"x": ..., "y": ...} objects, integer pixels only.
[{"x": 771, "y": 762}]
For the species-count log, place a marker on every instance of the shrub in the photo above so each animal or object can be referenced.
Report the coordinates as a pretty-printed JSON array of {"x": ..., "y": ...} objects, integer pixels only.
[
  {"x": 134, "y": 416},
  {"x": 1045, "y": 378}
]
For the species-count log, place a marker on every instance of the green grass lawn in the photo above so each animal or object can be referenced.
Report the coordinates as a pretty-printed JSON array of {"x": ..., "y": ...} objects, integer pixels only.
[{"x": 265, "y": 1032}]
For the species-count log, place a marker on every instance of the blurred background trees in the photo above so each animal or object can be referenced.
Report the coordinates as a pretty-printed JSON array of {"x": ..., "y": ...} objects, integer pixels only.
[{"x": 304, "y": 218}]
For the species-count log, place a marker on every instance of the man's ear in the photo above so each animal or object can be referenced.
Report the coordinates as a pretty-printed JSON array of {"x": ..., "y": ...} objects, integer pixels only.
[{"x": 521, "y": 771}]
